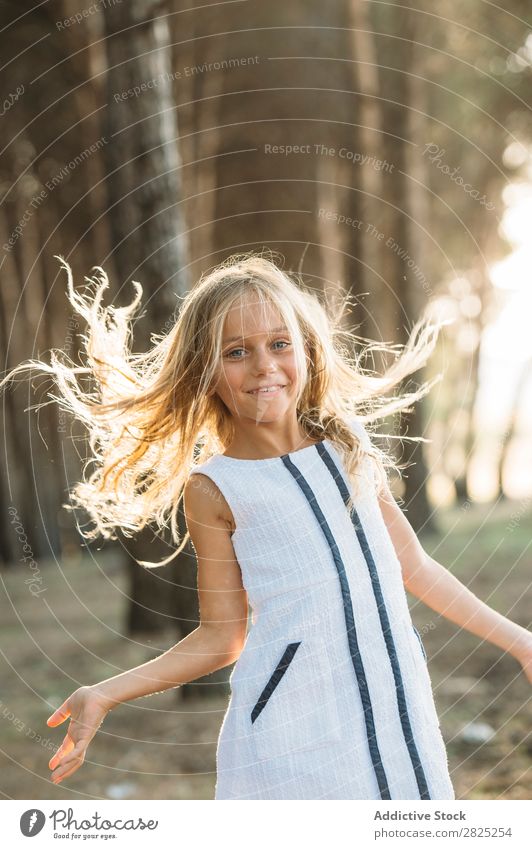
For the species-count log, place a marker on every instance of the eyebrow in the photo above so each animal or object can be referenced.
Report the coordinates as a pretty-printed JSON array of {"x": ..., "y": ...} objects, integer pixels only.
[{"x": 239, "y": 338}]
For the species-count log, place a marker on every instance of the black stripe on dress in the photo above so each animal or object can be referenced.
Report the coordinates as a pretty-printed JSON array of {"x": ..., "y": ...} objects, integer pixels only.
[
  {"x": 385, "y": 624},
  {"x": 277, "y": 674},
  {"x": 351, "y": 630}
]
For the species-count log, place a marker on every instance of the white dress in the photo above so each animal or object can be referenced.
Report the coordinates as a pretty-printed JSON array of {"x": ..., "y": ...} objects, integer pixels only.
[{"x": 331, "y": 696}]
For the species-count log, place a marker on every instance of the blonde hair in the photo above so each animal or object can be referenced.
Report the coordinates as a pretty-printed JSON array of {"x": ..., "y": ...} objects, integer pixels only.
[{"x": 151, "y": 417}]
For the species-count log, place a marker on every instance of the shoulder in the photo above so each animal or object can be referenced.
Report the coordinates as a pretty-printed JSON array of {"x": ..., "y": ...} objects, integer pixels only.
[
  {"x": 360, "y": 431},
  {"x": 204, "y": 502}
]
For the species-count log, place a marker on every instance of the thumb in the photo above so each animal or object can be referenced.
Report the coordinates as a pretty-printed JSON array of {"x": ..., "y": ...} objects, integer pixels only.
[{"x": 59, "y": 715}]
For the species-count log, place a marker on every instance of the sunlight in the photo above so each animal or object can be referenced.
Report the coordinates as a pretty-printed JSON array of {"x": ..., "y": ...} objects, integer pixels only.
[{"x": 506, "y": 357}]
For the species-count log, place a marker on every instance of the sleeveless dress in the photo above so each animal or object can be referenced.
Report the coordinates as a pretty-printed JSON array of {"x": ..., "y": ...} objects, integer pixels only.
[{"x": 331, "y": 696}]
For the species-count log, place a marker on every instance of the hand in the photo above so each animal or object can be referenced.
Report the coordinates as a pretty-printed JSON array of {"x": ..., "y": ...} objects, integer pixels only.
[{"x": 86, "y": 710}]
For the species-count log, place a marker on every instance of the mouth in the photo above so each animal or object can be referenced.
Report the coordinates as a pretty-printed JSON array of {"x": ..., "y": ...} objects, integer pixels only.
[{"x": 267, "y": 391}]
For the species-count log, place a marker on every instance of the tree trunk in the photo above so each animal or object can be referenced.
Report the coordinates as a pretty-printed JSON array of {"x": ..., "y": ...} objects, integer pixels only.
[
  {"x": 144, "y": 191},
  {"x": 367, "y": 202},
  {"x": 509, "y": 434},
  {"x": 405, "y": 248}
]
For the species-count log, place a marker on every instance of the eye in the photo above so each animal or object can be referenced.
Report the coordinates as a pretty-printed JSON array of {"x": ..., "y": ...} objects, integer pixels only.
[
  {"x": 229, "y": 355},
  {"x": 234, "y": 351}
]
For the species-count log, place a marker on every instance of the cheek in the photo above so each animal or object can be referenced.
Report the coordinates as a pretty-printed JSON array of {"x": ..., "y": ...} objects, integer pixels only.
[
  {"x": 290, "y": 368},
  {"x": 230, "y": 376}
]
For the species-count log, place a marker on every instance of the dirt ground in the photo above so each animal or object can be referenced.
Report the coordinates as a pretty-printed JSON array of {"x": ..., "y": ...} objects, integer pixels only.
[{"x": 163, "y": 746}]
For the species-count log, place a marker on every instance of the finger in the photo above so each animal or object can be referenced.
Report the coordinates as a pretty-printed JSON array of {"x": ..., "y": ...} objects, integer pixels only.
[
  {"x": 58, "y": 777},
  {"x": 68, "y": 766},
  {"x": 58, "y": 716},
  {"x": 64, "y": 749}
]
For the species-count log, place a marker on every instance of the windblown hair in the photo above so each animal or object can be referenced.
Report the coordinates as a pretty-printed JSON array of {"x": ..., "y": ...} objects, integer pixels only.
[{"x": 150, "y": 416}]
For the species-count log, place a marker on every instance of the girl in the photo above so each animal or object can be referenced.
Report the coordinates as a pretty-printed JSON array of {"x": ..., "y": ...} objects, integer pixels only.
[{"x": 252, "y": 409}]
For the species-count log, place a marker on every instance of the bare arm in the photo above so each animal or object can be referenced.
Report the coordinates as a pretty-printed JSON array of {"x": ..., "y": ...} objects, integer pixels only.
[
  {"x": 433, "y": 584},
  {"x": 218, "y": 640}
]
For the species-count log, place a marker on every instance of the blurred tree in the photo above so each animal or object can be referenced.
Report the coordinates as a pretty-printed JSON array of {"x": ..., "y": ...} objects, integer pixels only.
[
  {"x": 144, "y": 190},
  {"x": 45, "y": 174},
  {"x": 478, "y": 72},
  {"x": 368, "y": 200},
  {"x": 522, "y": 383}
]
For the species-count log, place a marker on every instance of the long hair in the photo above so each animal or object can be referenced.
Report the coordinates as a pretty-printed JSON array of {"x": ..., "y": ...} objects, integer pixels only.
[{"x": 150, "y": 416}]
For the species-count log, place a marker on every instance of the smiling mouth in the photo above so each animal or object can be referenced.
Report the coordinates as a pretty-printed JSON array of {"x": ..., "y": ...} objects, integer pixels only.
[{"x": 271, "y": 390}]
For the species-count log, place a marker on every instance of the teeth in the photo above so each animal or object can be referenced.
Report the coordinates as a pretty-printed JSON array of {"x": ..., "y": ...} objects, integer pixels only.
[{"x": 269, "y": 389}]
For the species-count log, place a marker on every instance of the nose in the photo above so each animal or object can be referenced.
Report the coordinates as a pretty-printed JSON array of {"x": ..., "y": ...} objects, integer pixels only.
[{"x": 263, "y": 362}]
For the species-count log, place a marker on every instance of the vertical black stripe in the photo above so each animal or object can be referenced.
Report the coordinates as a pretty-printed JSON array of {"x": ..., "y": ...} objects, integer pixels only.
[
  {"x": 351, "y": 630},
  {"x": 385, "y": 624}
]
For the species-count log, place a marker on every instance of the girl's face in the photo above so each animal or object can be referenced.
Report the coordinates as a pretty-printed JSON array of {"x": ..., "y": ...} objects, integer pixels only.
[{"x": 257, "y": 354}]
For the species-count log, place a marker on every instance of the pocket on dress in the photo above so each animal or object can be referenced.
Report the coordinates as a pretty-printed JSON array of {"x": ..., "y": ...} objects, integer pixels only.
[
  {"x": 296, "y": 708},
  {"x": 418, "y": 635}
]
